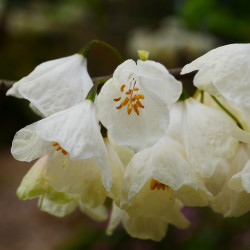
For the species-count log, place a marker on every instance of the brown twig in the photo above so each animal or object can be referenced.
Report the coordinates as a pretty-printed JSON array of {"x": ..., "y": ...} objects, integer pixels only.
[{"x": 6, "y": 84}]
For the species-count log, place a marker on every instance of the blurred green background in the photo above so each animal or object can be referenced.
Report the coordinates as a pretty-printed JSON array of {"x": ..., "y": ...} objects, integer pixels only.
[{"x": 175, "y": 32}]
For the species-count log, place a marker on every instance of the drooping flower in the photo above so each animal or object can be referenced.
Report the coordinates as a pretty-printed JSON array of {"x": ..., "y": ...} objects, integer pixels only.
[
  {"x": 133, "y": 105},
  {"x": 55, "y": 85},
  {"x": 147, "y": 227},
  {"x": 209, "y": 135},
  {"x": 77, "y": 156},
  {"x": 225, "y": 71},
  {"x": 161, "y": 173},
  {"x": 35, "y": 185},
  {"x": 234, "y": 197}
]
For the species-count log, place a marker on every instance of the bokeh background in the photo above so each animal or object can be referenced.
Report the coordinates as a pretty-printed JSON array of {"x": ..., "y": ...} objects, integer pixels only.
[{"x": 175, "y": 32}]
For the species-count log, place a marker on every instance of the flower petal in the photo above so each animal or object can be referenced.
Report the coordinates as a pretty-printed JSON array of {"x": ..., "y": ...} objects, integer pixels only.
[
  {"x": 77, "y": 132},
  {"x": 56, "y": 209},
  {"x": 155, "y": 86},
  {"x": 27, "y": 145},
  {"x": 76, "y": 177},
  {"x": 63, "y": 83},
  {"x": 33, "y": 183}
]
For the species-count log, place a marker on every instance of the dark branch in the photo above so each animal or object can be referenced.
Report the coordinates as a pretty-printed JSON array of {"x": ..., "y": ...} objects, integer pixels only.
[{"x": 6, "y": 84}]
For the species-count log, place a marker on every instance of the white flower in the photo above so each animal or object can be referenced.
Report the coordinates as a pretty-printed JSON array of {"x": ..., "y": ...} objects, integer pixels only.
[
  {"x": 163, "y": 174},
  {"x": 62, "y": 209},
  {"x": 209, "y": 135},
  {"x": 133, "y": 105},
  {"x": 34, "y": 184},
  {"x": 72, "y": 139},
  {"x": 225, "y": 71},
  {"x": 234, "y": 197},
  {"x": 55, "y": 85},
  {"x": 150, "y": 226}
]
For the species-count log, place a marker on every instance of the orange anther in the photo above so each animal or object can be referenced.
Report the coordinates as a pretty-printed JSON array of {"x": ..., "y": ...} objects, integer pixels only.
[
  {"x": 59, "y": 148},
  {"x": 135, "y": 88},
  {"x": 122, "y": 87},
  {"x": 55, "y": 144},
  {"x": 64, "y": 152},
  {"x": 119, "y": 107},
  {"x": 128, "y": 92},
  {"x": 129, "y": 109},
  {"x": 135, "y": 106},
  {"x": 139, "y": 104},
  {"x": 125, "y": 102},
  {"x": 117, "y": 99},
  {"x": 141, "y": 96},
  {"x": 154, "y": 184}
]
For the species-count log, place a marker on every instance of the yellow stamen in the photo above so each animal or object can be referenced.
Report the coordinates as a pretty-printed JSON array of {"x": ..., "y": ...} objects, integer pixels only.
[
  {"x": 154, "y": 184},
  {"x": 139, "y": 104},
  {"x": 65, "y": 161},
  {"x": 141, "y": 96},
  {"x": 122, "y": 87},
  {"x": 129, "y": 92},
  {"x": 129, "y": 109},
  {"x": 135, "y": 106},
  {"x": 132, "y": 100},
  {"x": 56, "y": 144},
  {"x": 117, "y": 99}
]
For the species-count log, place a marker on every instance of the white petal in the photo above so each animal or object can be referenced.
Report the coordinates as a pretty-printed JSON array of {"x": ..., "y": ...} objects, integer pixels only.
[
  {"x": 56, "y": 85},
  {"x": 166, "y": 163},
  {"x": 34, "y": 184},
  {"x": 77, "y": 131},
  {"x": 125, "y": 154},
  {"x": 227, "y": 70},
  {"x": 207, "y": 136},
  {"x": 241, "y": 181},
  {"x": 148, "y": 228},
  {"x": 76, "y": 177},
  {"x": 232, "y": 200},
  {"x": 27, "y": 145},
  {"x": 159, "y": 89},
  {"x": 115, "y": 218},
  {"x": 99, "y": 213},
  {"x": 117, "y": 172},
  {"x": 56, "y": 209},
  {"x": 230, "y": 203},
  {"x": 157, "y": 204}
]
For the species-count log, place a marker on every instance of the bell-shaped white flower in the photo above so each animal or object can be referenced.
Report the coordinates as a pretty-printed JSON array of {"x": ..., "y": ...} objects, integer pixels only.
[
  {"x": 234, "y": 197},
  {"x": 133, "y": 105},
  {"x": 55, "y": 85},
  {"x": 73, "y": 141},
  {"x": 63, "y": 209},
  {"x": 225, "y": 71},
  {"x": 163, "y": 174},
  {"x": 209, "y": 135},
  {"x": 35, "y": 185},
  {"x": 145, "y": 227}
]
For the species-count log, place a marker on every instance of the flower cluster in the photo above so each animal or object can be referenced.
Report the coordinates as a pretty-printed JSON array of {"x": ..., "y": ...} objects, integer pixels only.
[{"x": 138, "y": 141}]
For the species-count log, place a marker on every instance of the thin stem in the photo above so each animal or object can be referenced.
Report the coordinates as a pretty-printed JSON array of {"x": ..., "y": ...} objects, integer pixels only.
[
  {"x": 202, "y": 96},
  {"x": 41, "y": 201},
  {"x": 86, "y": 49},
  {"x": 197, "y": 92},
  {"x": 227, "y": 111}
]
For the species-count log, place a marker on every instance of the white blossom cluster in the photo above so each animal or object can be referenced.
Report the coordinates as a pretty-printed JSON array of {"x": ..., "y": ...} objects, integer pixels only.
[{"x": 160, "y": 152}]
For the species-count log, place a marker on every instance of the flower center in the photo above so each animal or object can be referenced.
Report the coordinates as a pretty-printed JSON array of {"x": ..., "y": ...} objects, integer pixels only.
[
  {"x": 64, "y": 152},
  {"x": 56, "y": 144},
  {"x": 132, "y": 97},
  {"x": 154, "y": 184}
]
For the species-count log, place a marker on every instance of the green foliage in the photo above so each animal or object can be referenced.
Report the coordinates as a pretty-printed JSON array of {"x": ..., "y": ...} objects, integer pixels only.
[{"x": 228, "y": 19}]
